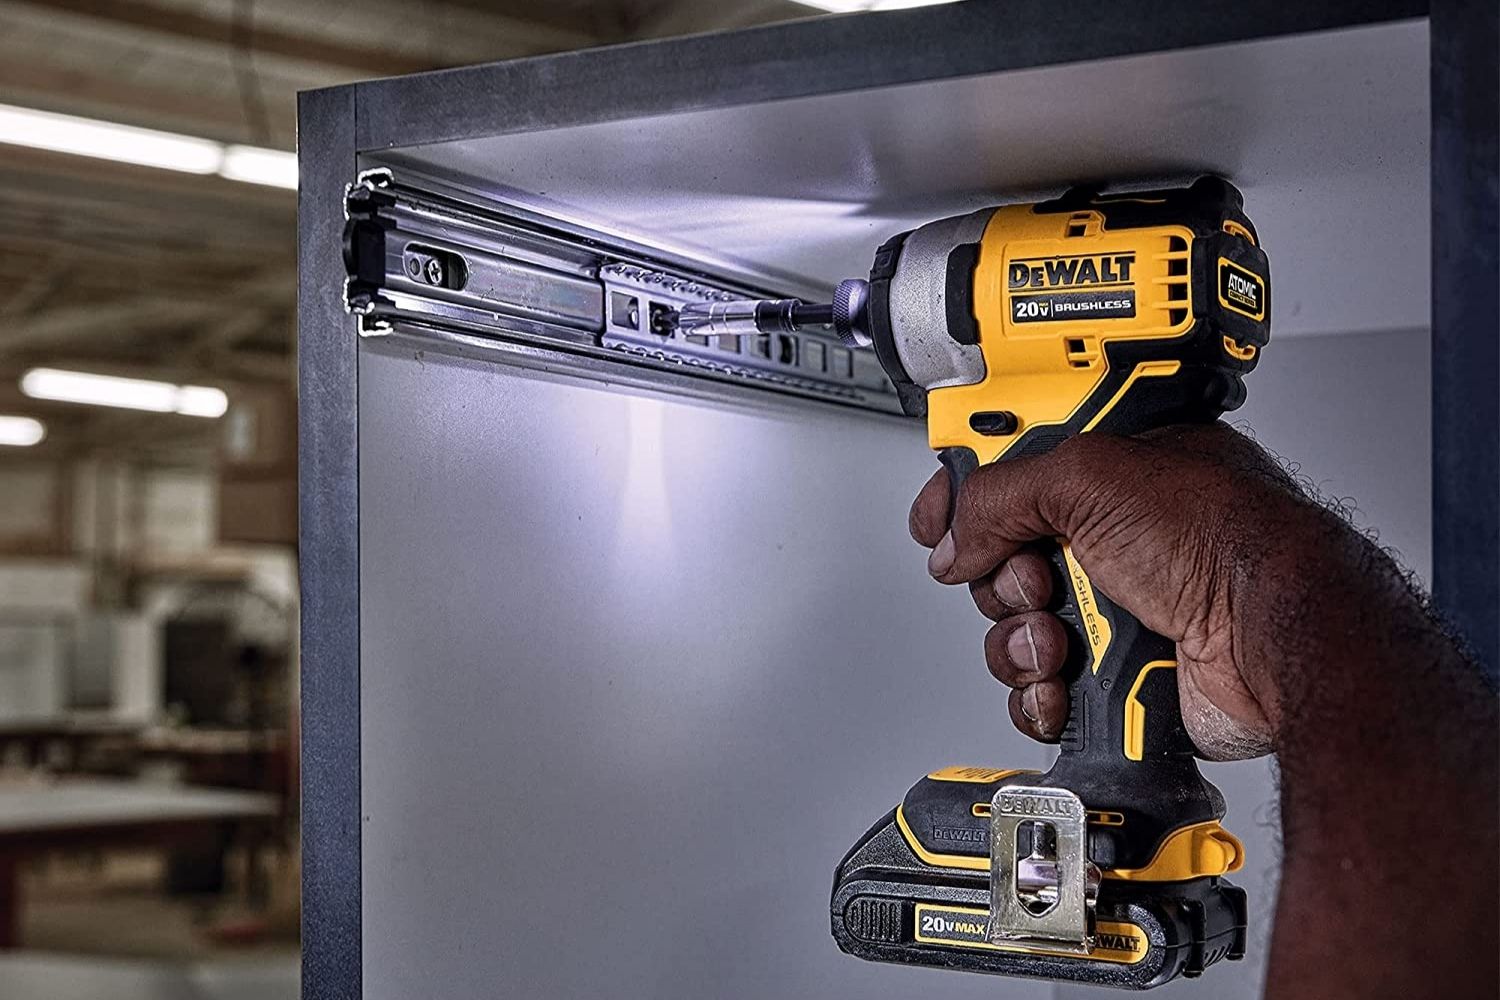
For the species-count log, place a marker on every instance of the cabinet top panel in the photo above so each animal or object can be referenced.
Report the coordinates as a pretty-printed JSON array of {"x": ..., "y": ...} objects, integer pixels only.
[
  {"x": 1326, "y": 133},
  {"x": 821, "y": 55}
]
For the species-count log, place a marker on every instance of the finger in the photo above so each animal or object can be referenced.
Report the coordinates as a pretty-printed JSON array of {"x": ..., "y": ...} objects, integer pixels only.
[
  {"x": 1026, "y": 649},
  {"x": 928, "y": 519},
  {"x": 1004, "y": 505},
  {"x": 1022, "y": 583},
  {"x": 1040, "y": 710}
]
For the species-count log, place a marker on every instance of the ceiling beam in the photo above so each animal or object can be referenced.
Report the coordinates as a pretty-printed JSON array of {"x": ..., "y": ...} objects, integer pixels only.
[
  {"x": 172, "y": 278},
  {"x": 42, "y": 175},
  {"x": 177, "y": 22},
  {"x": 493, "y": 31},
  {"x": 256, "y": 366},
  {"x": 118, "y": 263},
  {"x": 660, "y": 20},
  {"x": 69, "y": 324},
  {"x": 250, "y": 367},
  {"x": 583, "y": 23},
  {"x": 65, "y": 87},
  {"x": 34, "y": 291},
  {"x": 142, "y": 325},
  {"x": 214, "y": 346}
]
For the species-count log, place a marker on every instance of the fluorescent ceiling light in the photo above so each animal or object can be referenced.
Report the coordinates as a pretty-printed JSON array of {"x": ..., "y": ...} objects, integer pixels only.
[
  {"x": 848, "y": 6},
  {"x": 201, "y": 401},
  {"x": 260, "y": 166},
  {"x": 86, "y": 137},
  {"x": 145, "y": 147},
  {"x": 129, "y": 393},
  {"x": 21, "y": 432}
]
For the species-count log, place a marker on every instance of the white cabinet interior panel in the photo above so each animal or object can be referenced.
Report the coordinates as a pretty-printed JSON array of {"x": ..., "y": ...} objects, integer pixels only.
[{"x": 635, "y": 672}]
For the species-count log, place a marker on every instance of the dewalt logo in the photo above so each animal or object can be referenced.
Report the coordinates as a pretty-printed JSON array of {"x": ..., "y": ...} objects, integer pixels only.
[
  {"x": 1118, "y": 942},
  {"x": 1035, "y": 805},
  {"x": 1075, "y": 271},
  {"x": 960, "y": 835}
]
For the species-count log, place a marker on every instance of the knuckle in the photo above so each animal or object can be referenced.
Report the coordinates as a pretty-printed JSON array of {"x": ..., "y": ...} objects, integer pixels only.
[
  {"x": 1097, "y": 478},
  {"x": 983, "y": 593},
  {"x": 1052, "y": 638},
  {"x": 994, "y": 644},
  {"x": 986, "y": 487}
]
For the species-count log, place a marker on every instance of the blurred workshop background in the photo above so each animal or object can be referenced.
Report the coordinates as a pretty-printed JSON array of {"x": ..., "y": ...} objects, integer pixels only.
[{"x": 148, "y": 577}]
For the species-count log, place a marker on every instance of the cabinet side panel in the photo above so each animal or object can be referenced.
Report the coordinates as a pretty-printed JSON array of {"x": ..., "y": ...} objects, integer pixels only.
[
  {"x": 1466, "y": 320},
  {"x": 329, "y": 557}
]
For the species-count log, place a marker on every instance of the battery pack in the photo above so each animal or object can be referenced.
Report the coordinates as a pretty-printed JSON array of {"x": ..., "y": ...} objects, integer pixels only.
[{"x": 891, "y": 905}]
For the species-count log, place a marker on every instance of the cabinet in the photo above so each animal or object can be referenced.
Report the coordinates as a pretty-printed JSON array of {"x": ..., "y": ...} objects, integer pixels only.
[{"x": 607, "y": 658}]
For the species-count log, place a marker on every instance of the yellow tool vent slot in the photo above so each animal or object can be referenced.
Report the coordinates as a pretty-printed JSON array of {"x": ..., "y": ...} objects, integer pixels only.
[
  {"x": 1084, "y": 223},
  {"x": 1176, "y": 281},
  {"x": 1083, "y": 352}
]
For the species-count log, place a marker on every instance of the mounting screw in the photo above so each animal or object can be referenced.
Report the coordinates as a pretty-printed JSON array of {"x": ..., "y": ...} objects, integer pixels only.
[{"x": 434, "y": 271}]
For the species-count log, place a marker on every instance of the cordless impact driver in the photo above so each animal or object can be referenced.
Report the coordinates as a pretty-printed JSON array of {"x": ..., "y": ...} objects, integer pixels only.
[{"x": 1010, "y": 329}]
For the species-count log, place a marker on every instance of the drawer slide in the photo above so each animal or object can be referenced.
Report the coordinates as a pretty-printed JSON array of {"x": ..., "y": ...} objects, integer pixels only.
[{"x": 423, "y": 259}]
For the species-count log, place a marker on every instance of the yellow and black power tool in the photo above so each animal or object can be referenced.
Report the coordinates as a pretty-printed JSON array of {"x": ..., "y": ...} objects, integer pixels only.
[{"x": 1010, "y": 329}]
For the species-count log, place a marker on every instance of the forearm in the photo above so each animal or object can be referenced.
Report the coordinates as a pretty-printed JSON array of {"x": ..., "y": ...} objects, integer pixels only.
[{"x": 1386, "y": 741}]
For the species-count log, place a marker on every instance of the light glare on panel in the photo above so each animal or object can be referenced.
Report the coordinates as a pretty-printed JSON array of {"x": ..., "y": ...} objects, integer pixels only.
[
  {"x": 128, "y": 393},
  {"x": 21, "y": 432},
  {"x": 145, "y": 147}
]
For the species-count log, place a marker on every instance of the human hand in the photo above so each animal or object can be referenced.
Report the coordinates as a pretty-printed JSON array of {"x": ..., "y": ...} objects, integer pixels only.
[
  {"x": 1293, "y": 633},
  {"x": 1172, "y": 525}
]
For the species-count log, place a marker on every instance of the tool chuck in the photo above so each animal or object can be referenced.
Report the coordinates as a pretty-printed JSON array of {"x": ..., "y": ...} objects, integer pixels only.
[{"x": 847, "y": 314}]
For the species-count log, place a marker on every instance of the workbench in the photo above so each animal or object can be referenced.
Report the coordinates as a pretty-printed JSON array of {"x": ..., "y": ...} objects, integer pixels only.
[
  {"x": 36, "y": 976},
  {"x": 76, "y": 732},
  {"x": 38, "y": 817}
]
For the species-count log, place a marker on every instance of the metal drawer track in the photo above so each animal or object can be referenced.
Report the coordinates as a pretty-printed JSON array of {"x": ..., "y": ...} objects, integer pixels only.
[{"x": 420, "y": 259}]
